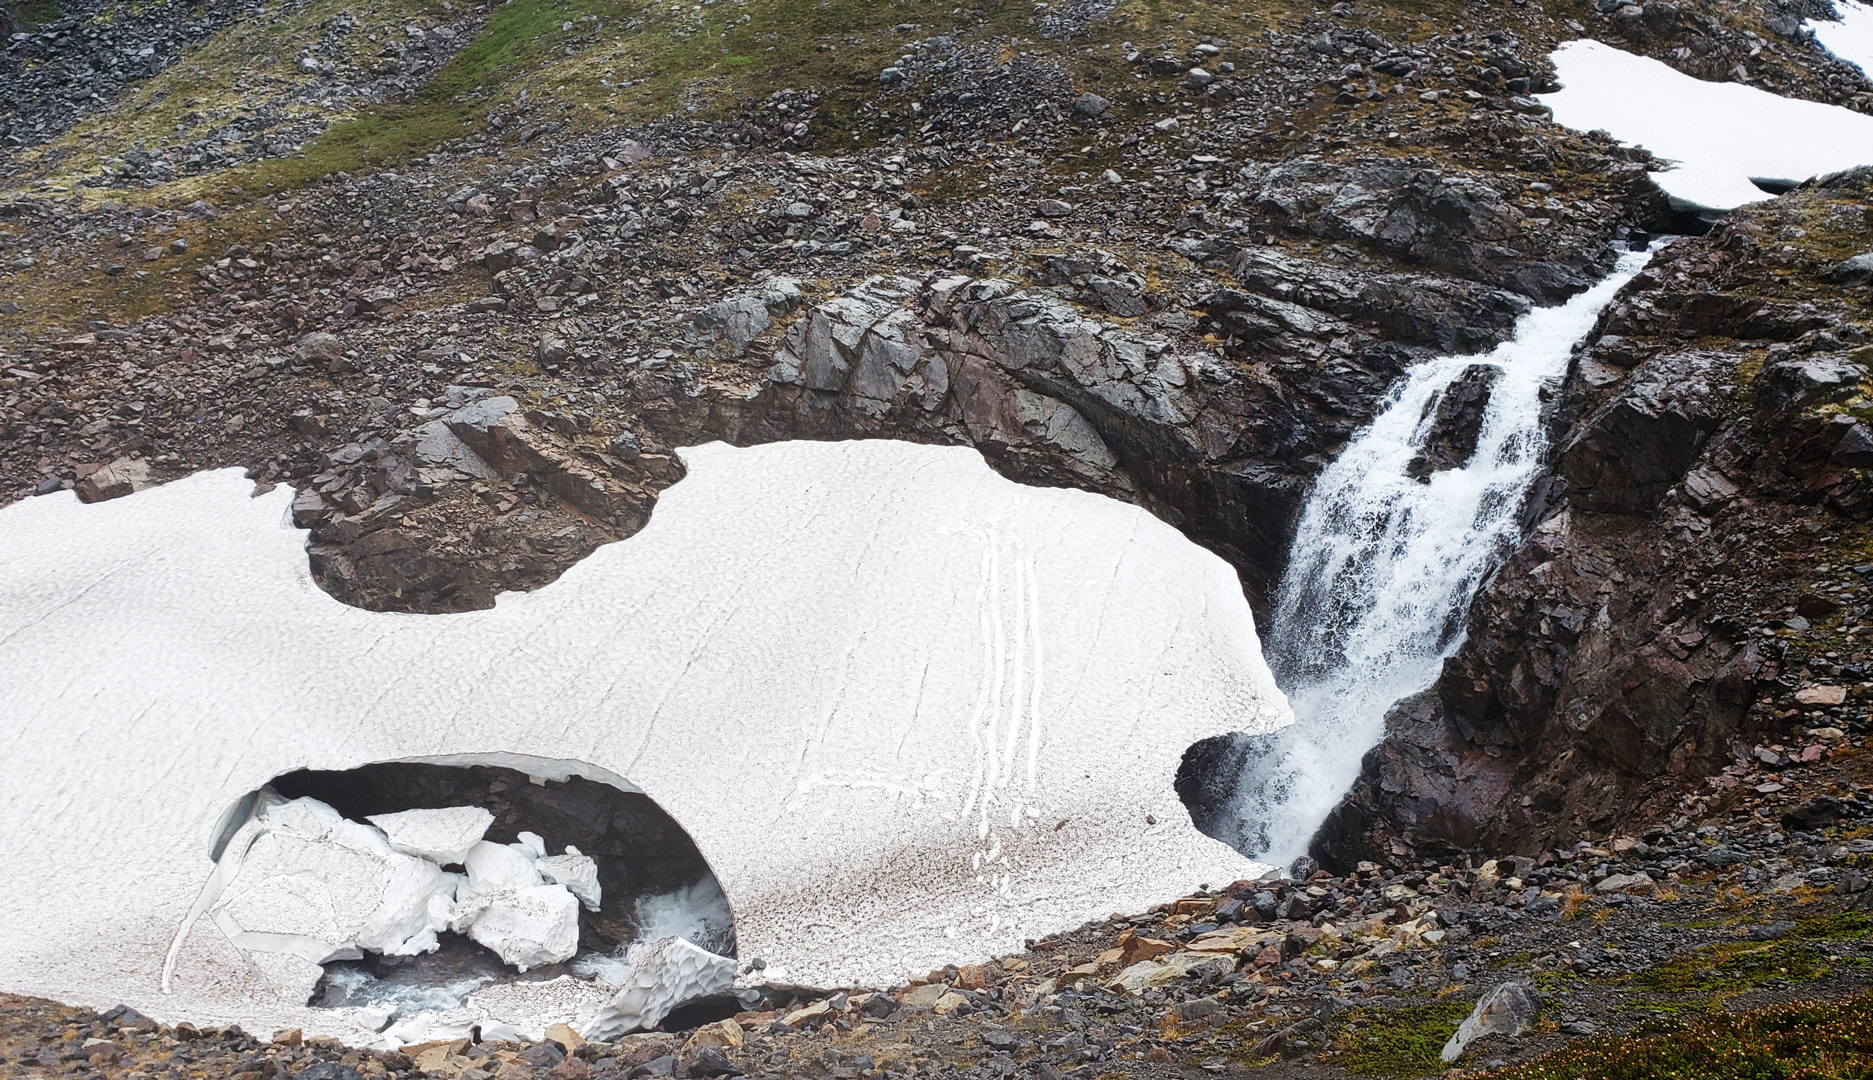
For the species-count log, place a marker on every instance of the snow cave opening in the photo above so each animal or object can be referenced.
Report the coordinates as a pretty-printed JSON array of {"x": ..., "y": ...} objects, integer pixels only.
[{"x": 652, "y": 880}]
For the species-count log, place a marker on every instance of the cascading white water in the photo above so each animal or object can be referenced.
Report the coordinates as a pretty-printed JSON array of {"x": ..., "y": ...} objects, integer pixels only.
[{"x": 1383, "y": 567}]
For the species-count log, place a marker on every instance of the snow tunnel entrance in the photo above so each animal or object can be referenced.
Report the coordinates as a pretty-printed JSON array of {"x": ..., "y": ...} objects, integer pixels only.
[{"x": 652, "y": 882}]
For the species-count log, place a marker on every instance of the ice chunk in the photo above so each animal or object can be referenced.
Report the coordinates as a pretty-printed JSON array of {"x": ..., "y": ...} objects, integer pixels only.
[
  {"x": 441, "y": 836},
  {"x": 578, "y": 873},
  {"x": 663, "y": 974},
  {"x": 530, "y": 927},
  {"x": 320, "y": 887},
  {"x": 492, "y": 867}
]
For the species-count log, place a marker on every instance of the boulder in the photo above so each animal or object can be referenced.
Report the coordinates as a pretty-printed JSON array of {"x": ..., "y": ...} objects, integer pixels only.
[
  {"x": 319, "y": 348},
  {"x": 1626, "y": 883},
  {"x": 1509, "y": 1009},
  {"x": 1855, "y": 271},
  {"x": 494, "y": 429},
  {"x": 1817, "y": 813},
  {"x": 1166, "y": 970},
  {"x": 117, "y": 479},
  {"x": 1456, "y": 422},
  {"x": 1632, "y": 449},
  {"x": 738, "y": 320},
  {"x": 437, "y": 447}
]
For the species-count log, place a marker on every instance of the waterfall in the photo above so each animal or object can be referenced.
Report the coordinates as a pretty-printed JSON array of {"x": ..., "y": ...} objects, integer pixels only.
[{"x": 1383, "y": 567}]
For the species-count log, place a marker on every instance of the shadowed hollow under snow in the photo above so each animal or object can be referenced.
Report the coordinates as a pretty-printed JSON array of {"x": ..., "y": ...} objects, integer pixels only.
[
  {"x": 910, "y": 712},
  {"x": 1723, "y": 135}
]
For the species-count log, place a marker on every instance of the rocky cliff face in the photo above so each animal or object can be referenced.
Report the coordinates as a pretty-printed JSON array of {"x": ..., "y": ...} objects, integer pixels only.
[{"x": 1688, "y": 583}]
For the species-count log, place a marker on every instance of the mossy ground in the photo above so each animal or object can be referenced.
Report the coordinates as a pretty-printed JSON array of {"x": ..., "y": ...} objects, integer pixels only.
[
  {"x": 1736, "y": 966},
  {"x": 1396, "y": 1042},
  {"x": 27, "y": 14},
  {"x": 1811, "y": 1040}
]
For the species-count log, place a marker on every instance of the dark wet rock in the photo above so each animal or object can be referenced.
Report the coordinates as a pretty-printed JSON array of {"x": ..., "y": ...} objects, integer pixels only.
[
  {"x": 1623, "y": 457},
  {"x": 709, "y": 1062},
  {"x": 1855, "y": 271},
  {"x": 1456, "y": 422}
]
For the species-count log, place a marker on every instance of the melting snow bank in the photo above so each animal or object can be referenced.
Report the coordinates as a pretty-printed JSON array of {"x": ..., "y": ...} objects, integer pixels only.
[
  {"x": 1723, "y": 135},
  {"x": 1850, "y": 39},
  {"x": 1384, "y": 564},
  {"x": 911, "y": 714}
]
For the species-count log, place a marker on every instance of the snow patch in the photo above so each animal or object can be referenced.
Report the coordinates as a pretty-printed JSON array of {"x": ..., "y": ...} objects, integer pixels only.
[
  {"x": 1851, "y": 38},
  {"x": 910, "y": 712},
  {"x": 1722, "y": 135}
]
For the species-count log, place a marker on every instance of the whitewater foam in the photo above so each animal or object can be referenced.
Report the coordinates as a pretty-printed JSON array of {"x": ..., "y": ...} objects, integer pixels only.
[{"x": 1383, "y": 568}]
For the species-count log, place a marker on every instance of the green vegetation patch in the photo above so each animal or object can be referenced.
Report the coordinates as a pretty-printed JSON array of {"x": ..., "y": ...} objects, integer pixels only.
[
  {"x": 1734, "y": 966},
  {"x": 27, "y": 14},
  {"x": 1397, "y": 1042},
  {"x": 1810, "y": 1040}
]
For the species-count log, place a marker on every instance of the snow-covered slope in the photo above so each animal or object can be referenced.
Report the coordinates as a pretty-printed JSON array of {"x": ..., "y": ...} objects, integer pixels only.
[
  {"x": 910, "y": 712},
  {"x": 1851, "y": 38},
  {"x": 1723, "y": 135}
]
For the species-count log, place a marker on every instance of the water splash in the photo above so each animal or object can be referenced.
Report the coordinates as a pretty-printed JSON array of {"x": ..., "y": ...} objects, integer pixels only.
[{"x": 1383, "y": 568}]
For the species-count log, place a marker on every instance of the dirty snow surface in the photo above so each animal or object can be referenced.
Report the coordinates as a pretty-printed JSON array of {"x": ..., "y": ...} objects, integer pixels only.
[
  {"x": 1723, "y": 135},
  {"x": 911, "y": 713}
]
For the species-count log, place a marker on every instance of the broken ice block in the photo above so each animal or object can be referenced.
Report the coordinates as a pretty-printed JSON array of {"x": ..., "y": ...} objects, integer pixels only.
[
  {"x": 320, "y": 887},
  {"x": 530, "y": 926},
  {"x": 578, "y": 873},
  {"x": 499, "y": 866},
  {"x": 663, "y": 974},
  {"x": 441, "y": 836}
]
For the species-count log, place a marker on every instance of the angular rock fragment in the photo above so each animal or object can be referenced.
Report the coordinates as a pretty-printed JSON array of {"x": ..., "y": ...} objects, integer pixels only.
[
  {"x": 121, "y": 477},
  {"x": 1509, "y": 1009}
]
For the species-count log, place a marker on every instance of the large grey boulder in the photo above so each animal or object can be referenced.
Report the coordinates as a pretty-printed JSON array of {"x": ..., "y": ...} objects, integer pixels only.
[
  {"x": 121, "y": 477},
  {"x": 1457, "y": 422},
  {"x": 1509, "y": 1009},
  {"x": 824, "y": 346},
  {"x": 738, "y": 320}
]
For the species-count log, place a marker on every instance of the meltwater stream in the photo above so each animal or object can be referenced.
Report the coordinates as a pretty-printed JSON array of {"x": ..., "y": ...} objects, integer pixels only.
[{"x": 1383, "y": 567}]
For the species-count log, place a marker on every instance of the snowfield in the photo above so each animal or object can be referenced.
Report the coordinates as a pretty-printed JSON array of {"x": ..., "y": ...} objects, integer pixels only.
[
  {"x": 1723, "y": 135},
  {"x": 912, "y": 713}
]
